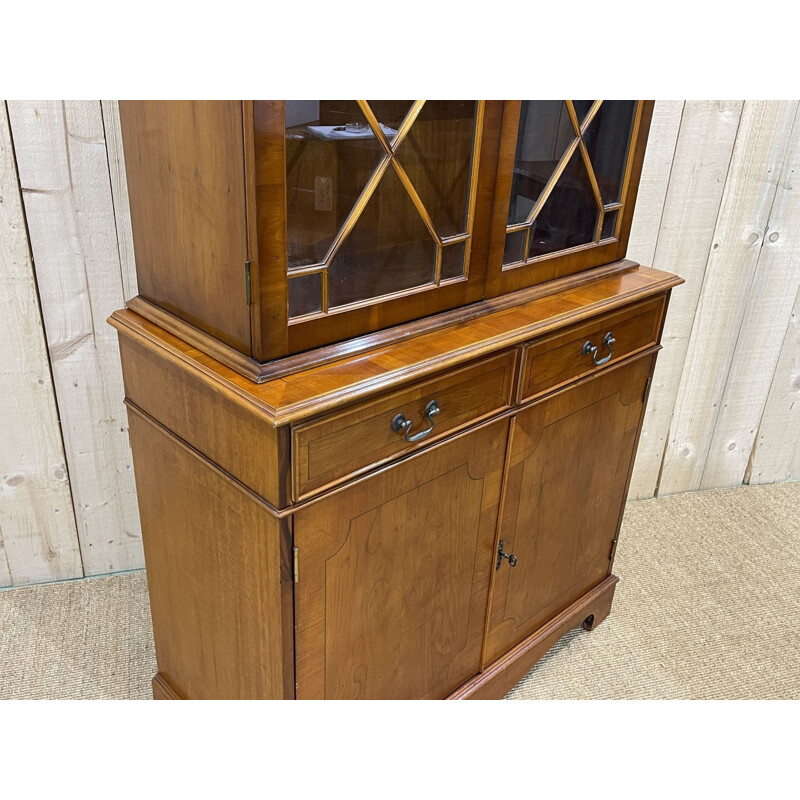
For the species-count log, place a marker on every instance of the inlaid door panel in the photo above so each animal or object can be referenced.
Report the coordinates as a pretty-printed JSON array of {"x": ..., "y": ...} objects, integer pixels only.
[
  {"x": 394, "y": 575},
  {"x": 569, "y": 464}
]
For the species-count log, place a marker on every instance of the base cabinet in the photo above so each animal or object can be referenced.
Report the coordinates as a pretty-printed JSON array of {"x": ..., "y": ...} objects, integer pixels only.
[
  {"x": 393, "y": 575},
  {"x": 300, "y": 543},
  {"x": 569, "y": 461}
]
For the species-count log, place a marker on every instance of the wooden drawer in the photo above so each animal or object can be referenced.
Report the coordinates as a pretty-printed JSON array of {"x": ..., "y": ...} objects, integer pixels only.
[
  {"x": 329, "y": 450},
  {"x": 560, "y": 358}
]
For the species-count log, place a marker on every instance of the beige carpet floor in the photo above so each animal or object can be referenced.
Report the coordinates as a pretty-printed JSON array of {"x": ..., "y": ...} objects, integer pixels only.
[{"x": 707, "y": 607}]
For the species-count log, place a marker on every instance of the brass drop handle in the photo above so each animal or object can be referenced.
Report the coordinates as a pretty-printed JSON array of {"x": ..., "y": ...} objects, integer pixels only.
[
  {"x": 402, "y": 425},
  {"x": 512, "y": 559},
  {"x": 590, "y": 349}
]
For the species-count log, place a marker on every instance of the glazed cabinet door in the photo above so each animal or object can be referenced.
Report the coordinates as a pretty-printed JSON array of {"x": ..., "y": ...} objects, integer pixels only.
[
  {"x": 567, "y": 177},
  {"x": 393, "y": 575},
  {"x": 570, "y": 458},
  {"x": 367, "y": 212}
]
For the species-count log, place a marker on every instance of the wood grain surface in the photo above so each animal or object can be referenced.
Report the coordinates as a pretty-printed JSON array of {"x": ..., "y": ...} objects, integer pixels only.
[
  {"x": 568, "y": 467},
  {"x": 559, "y": 358},
  {"x": 185, "y": 172},
  {"x": 305, "y": 394},
  {"x": 335, "y": 447},
  {"x": 393, "y": 578},
  {"x": 214, "y": 573}
]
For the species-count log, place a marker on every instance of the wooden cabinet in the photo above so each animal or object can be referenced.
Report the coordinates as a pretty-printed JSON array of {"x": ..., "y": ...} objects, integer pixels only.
[{"x": 386, "y": 377}]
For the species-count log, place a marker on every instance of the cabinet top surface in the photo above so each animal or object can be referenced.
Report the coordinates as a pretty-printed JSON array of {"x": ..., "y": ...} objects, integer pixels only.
[{"x": 304, "y": 394}]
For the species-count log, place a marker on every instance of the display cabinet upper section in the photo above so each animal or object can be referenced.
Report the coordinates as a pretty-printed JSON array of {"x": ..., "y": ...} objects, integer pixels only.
[{"x": 269, "y": 229}]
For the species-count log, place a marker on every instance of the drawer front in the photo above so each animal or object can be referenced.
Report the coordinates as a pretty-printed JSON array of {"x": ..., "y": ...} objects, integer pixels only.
[
  {"x": 329, "y": 450},
  {"x": 558, "y": 359}
]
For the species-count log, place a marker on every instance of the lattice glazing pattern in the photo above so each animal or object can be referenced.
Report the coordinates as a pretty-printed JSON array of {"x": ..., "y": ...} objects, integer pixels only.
[
  {"x": 380, "y": 198},
  {"x": 569, "y": 176}
]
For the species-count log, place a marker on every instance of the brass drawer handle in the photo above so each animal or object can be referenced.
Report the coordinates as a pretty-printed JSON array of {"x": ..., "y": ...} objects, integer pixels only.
[
  {"x": 402, "y": 425},
  {"x": 590, "y": 349}
]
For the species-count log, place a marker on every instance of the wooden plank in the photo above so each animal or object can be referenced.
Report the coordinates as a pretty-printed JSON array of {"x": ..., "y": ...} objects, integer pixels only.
[
  {"x": 653, "y": 184},
  {"x": 761, "y": 143},
  {"x": 38, "y": 540},
  {"x": 702, "y": 158},
  {"x": 119, "y": 192},
  {"x": 776, "y": 456},
  {"x": 63, "y": 168},
  {"x": 766, "y": 318},
  {"x": 5, "y": 571}
]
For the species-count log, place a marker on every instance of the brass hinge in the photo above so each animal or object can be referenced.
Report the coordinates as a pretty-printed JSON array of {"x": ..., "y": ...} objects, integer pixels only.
[
  {"x": 296, "y": 565},
  {"x": 247, "y": 283},
  {"x": 613, "y": 548},
  {"x": 646, "y": 389}
]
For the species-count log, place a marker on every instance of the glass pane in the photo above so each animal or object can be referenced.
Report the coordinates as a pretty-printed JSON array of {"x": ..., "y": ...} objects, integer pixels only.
[
  {"x": 437, "y": 155},
  {"x": 329, "y": 159},
  {"x": 545, "y": 132},
  {"x": 609, "y": 224},
  {"x": 569, "y": 216},
  {"x": 388, "y": 250},
  {"x": 305, "y": 294},
  {"x": 607, "y": 139},
  {"x": 515, "y": 242},
  {"x": 390, "y": 114},
  {"x": 582, "y": 109},
  {"x": 453, "y": 260}
]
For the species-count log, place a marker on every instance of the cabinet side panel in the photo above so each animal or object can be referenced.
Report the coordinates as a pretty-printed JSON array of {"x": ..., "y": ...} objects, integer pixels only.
[
  {"x": 185, "y": 169},
  {"x": 213, "y": 556},
  {"x": 234, "y": 437}
]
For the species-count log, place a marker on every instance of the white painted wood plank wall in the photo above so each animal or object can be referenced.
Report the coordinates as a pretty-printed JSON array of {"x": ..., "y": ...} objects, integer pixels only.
[
  {"x": 719, "y": 204},
  {"x": 64, "y": 176},
  {"x": 697, "y": 178},
  {"x": 38, "y": 540}
]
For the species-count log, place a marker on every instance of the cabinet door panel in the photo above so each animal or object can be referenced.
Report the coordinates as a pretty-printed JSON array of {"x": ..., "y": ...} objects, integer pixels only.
[
  {"x": 569, "y": 463},
  {"x": 394, "y": 575}
]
